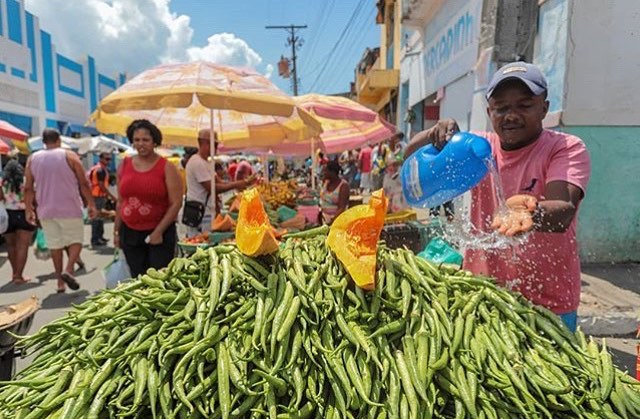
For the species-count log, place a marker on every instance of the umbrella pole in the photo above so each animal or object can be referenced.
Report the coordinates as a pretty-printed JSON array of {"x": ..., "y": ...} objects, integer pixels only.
[
  {"x": 265, "y": 164},
  {"x": 313, "y": 163},
  {"x": 212, "y": 141}
]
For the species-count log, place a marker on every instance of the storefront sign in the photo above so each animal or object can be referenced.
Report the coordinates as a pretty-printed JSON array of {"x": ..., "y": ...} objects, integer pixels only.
[{"x": 452, "y": 51}]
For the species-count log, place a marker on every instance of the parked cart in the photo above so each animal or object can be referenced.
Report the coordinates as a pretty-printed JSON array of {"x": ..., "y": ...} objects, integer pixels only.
[{"x": 15, "y": 320}]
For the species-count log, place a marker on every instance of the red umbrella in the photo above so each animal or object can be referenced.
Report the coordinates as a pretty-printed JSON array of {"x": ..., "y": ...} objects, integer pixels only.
[
  {"x": 9, "y": 131},
  {"x": 4, "y": 148}
]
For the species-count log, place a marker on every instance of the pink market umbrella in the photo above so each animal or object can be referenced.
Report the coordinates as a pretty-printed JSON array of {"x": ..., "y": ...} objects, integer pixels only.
[
  {"x": 336, "y": 137},
  {"x": 346, "y": 125}
]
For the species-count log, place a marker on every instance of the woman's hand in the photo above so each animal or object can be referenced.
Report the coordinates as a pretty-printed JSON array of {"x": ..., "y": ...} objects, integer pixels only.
[
  {"x": 518, "y": 216},
  {"x": 116, "y": 239},
  {"x": 155, "y": 238},
  {"x": 31, "y": 217}
]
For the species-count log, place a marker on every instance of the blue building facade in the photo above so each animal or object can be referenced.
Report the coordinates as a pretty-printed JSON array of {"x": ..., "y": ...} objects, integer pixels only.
[{"x": 40, "y": 87}]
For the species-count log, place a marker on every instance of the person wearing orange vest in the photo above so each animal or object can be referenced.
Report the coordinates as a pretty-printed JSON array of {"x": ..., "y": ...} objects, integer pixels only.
[{"x": 99, "y": 180}]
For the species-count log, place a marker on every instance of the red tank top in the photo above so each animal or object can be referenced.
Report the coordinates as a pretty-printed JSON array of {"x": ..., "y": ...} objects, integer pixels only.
[{"x": 144, "y": 197}]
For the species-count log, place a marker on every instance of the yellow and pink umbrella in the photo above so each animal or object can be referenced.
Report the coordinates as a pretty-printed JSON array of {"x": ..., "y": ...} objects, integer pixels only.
[
  {"x": 234, "y": 129},
  {"x": 243, "y": 107}
]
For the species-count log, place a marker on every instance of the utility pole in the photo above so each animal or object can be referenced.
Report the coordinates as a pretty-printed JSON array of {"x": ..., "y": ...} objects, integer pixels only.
[{"x": 294, "y": 41}]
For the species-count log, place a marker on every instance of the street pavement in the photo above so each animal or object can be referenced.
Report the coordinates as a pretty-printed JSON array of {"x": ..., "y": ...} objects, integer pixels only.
[{"x": 610, "y": 298}]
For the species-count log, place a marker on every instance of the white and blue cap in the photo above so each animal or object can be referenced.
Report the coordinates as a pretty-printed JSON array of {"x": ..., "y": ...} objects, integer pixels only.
[{"x": 527, "y": 73}]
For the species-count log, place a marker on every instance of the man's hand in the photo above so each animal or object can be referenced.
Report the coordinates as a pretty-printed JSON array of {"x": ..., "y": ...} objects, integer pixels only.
[
  {"x": 442, "y": 132},
  {"x": 93, "y": 212},
  {"x": 518, "y": 217},
  {"x": 438, "y": 135}
]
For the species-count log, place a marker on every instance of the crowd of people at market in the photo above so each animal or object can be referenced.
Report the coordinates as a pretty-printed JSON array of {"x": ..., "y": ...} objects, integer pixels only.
[
  {"x": 544, "y": 174},
  {"x": 152, "y": 195}
]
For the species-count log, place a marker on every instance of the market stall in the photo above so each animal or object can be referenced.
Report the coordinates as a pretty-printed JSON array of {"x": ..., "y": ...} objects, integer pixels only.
[
  {"x": 289, "y": 206},
  {"x": 241, "y": 106},
  {"x": 346, "y": 125},
  {"x": 323, "y": 323}
]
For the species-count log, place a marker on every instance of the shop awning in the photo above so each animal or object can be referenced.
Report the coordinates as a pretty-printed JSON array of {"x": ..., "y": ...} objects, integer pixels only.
[{"x": 81, "y": 129}]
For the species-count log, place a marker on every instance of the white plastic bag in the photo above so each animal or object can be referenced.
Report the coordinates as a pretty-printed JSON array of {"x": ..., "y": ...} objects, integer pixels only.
[
  {"x": 116, "y": 271},
  {"x": 4, "y": 219}
]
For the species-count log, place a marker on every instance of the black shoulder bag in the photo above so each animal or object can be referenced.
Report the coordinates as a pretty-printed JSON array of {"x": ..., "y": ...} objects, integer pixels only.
[{"x": 193, "y": 213}]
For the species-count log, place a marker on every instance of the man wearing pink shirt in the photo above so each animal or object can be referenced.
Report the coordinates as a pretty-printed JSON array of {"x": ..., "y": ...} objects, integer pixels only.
[{"x": 545, "y": 175}]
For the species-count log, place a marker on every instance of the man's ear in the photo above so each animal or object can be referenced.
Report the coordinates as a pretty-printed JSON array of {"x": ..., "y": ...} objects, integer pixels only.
[{"x": 546, "y": 108}]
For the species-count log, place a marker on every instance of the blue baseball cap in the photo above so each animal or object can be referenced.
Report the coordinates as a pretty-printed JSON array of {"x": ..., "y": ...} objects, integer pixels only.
[{"x": 527, "y": 73}]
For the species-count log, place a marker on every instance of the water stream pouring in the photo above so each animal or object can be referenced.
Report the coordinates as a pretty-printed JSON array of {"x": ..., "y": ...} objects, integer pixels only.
[{"x": 431, "y": 177}]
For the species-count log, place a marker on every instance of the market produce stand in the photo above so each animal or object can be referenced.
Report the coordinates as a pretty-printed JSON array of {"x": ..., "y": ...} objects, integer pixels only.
[
  {"x": 289, "y": 207},
  {"x": 306, "y": 327}
]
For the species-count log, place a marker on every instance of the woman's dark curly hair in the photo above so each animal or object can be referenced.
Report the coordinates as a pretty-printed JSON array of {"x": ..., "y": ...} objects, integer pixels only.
[
  {"x": 144, "y": 124},
  {"x": 13, "y": 175},
  {"x": 334, "y": 166}
]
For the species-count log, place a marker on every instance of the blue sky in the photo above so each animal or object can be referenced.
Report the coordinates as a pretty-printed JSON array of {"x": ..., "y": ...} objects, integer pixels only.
[
  {"x": 325, "y": 20},
  {"x": 132, "y": 35}
]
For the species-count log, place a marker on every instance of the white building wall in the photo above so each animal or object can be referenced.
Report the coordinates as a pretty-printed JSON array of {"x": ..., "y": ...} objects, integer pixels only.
[
  {"x": 457, "y": 101},
  {"x": 603, "y": 63},
  {"x": 441, "y": 56}
]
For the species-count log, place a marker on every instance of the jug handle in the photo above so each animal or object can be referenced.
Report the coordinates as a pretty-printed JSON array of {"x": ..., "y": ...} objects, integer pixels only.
[
  {"x": 430, "y": 149},
  {"x": 480, "y": 147}
]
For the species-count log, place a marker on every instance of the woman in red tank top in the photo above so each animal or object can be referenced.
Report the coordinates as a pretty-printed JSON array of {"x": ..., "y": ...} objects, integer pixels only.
[{"x": 150, "y": 196}]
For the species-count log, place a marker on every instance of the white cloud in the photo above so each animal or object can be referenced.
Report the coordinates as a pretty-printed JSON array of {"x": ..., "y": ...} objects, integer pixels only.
[
  {"x": 268, "y": 71},
  {"x": 225, "y": 48},
  {"x": 126, "y": 35}
]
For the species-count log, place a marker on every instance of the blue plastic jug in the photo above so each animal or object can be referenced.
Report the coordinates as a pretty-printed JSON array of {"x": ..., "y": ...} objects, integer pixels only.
[{"x": 431, "y": 177}]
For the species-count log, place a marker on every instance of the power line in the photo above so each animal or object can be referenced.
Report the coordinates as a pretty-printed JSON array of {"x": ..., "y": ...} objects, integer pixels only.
[
  {"x": 318, "y": 30},
  {"x": 352, "y": 46},
  {"x": 345, "y": 30},
  {"x": 294, "y": 41},
  {"x": 337, "y": 44}
]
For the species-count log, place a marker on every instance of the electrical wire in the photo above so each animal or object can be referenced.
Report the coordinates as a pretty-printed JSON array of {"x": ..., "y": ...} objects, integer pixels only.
[
  {"x": 317, "y": 31},
  {"x": 353, "y": 50},
  {"x": 329, "y": 63},
  {"x": 350, "y": 53},
  {"x": 356, "y": 12}
]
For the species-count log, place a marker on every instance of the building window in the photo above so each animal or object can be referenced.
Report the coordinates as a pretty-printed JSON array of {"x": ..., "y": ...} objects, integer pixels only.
[{"x": 15, "y": 21}]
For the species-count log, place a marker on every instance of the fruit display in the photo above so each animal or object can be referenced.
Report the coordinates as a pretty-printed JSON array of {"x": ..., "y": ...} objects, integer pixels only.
[
  {"x": 197, "y": 239},
  {"x": 221, "y": 334},
  {"x": 354, "y": 239},
  {"x": 298, "y": 222},
  {"x": 223, "y": 223},
  {"x": 255, "y": 235},
  {"x": 277, "y": 193}
]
